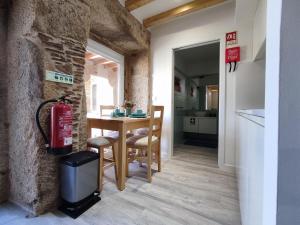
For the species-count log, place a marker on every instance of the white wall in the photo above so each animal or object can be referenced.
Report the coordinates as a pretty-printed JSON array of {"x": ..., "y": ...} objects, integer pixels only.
[
  {"x": 245, "y": 11},
  {"x": 259, "y": 28},
  {"x": 271, "y": 112},
  {"x": 200, "y": 27},
  {"x": 250, "y": 85}
]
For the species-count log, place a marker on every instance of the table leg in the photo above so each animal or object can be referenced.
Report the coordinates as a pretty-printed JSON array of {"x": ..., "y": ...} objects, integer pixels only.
[{"x": 122, "y": 157}]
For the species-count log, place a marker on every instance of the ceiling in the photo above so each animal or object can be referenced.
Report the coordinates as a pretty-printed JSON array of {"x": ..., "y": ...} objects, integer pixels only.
[
  {"x": 201, "y": 53},
  {"x": 245, "y": 11},
  {"x": 96, "y": 59},
  {"x": 155, "y": 7}
]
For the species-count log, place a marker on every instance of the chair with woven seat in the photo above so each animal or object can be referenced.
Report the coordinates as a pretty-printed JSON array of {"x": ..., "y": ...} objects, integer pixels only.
[
  {"x": 106, "y": 141},
  {"x": 101, "y": 143},
  {"x": 106, "y": 110},
  {"x": 141, "y": 146}
]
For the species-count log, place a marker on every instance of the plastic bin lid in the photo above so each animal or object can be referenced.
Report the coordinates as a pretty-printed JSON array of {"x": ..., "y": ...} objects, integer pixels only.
[{"x": 79, "y": 158}]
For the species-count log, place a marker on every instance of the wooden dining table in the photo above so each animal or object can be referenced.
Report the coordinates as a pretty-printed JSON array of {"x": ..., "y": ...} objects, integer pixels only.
[{"x": 122, "y": 125}]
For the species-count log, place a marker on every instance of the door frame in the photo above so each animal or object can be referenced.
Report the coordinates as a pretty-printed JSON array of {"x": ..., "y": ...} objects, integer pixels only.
[
  {"x": 110, "y": 54},
  {"x": 222, "y": 99}
]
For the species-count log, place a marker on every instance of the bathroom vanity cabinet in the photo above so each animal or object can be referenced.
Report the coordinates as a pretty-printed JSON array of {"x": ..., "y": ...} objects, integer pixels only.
[{"x": 201, "y": 125}]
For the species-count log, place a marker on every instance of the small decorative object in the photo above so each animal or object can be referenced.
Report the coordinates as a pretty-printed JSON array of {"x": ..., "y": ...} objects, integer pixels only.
[{"x": 128, "y": 105}]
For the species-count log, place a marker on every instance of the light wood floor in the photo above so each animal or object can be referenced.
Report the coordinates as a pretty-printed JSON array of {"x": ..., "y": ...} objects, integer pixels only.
[{"x": 189, "y": 190}]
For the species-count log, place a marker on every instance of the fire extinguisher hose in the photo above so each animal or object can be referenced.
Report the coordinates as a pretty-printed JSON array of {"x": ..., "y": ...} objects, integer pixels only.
[{"x": 37, "y": 119}]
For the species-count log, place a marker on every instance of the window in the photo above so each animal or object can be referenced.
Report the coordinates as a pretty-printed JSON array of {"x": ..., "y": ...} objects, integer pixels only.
[
  {"x": 103, "y": 77},
  {"x": 94, "y": 97}
]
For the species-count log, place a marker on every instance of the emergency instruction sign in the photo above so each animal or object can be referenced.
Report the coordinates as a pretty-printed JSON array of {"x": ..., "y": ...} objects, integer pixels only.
[
  {"x": 232, "y": 55},
  {"x": 59, "y": 77},
  {"x": 231, "y": 38}
]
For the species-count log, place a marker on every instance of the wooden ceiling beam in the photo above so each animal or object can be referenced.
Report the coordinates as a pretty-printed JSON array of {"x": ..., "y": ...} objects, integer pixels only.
[
  {"x": 110, "y": 65},
  {"x": 92, "y": 56},
  {"x": 134, "y": 4},
  {"x": 101, "y": 61},
  {"x": 180, "y": 11}
]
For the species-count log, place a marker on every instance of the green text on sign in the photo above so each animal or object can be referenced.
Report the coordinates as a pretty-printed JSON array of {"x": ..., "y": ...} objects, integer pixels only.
[{"x": 59, "y": 77}]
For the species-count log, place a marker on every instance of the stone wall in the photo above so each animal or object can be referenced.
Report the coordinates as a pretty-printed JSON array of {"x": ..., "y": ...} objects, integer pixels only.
[
  {"x": 52, "y": 35},
  {"x": 115, "y": 27},
  {"x": 3, "y": 95},
  {"x": 138, "y": 82}
]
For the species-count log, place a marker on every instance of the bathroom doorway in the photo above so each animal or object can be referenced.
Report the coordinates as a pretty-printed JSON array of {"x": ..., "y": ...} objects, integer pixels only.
[{"x": 196, "y": 95}]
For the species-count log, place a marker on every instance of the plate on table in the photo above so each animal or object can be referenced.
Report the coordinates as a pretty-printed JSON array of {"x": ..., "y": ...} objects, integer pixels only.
[
  {"x": 138, "y": 115},
  {"x": 121, "y": 114}
]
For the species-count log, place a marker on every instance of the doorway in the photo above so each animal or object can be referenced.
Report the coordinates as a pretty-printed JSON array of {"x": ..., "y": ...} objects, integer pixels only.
[
  {"x": 103, "y": 78},
  {"x": 196, "y": 95}
]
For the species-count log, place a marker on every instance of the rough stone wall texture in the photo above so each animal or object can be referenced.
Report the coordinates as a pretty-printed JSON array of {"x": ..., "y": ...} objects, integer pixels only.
[
  {"x": 3, "y": 100},
  {"x": 67, "y": 56},
  {"x": 112, "y": 25},
  {"x": 119, "y": 30},
  {"x": 52, "y": 35},
  {"x": 138, "y": 82}
]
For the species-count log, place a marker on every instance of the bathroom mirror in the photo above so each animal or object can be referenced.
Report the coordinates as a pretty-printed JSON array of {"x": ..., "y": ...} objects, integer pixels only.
[{"x": 212, "y": 97}]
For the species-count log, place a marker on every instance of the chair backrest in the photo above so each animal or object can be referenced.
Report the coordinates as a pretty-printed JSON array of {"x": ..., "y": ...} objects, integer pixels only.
[
  {"x": 155, "y": 124},
  {"x": 106, "y": 108}
]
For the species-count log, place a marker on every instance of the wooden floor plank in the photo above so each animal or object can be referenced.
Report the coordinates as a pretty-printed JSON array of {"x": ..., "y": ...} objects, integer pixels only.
[{"x": 191, "y": 189}]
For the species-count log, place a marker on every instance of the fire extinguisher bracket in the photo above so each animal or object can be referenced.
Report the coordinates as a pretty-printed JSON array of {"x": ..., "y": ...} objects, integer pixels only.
[{"x": 60, "y": 141}]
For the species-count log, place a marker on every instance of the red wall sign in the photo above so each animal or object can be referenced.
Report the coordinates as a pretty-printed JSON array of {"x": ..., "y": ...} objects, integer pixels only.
[
  {"x": 232, "y": 55},
  {"x": 231, "y": 38}
]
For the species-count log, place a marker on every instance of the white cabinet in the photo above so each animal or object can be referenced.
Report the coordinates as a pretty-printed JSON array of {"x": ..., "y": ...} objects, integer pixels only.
[
  {"x": 207, "y": 125},
  {"x": 202, "y": 125},
  {"x": 190, "y": 124},
  {"x": 249, "y": 156}
]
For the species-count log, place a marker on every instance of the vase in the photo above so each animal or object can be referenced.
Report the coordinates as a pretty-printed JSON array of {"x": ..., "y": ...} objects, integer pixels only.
[{"x": 128, "y": 111}]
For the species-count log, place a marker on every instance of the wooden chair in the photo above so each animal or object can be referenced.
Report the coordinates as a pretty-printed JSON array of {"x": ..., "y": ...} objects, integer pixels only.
[
  {"x": 145, "y": 144},
  {"x": 108, "y": 109},
  {"x": 101, "y": 143},
  {"x": 111, "y": 134}
]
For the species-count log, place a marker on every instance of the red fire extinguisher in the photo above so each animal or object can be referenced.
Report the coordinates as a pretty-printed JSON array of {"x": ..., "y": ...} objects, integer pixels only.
[{"x": 60, "y": 141}]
